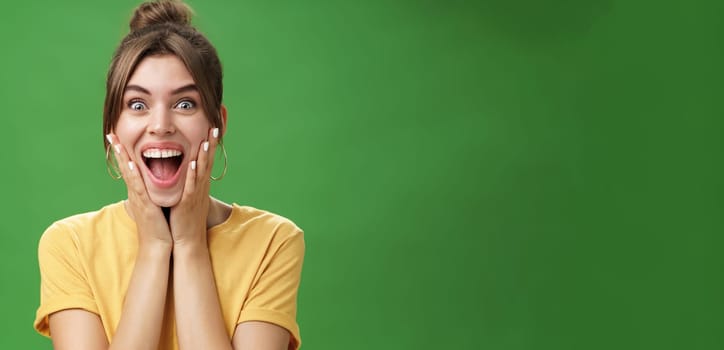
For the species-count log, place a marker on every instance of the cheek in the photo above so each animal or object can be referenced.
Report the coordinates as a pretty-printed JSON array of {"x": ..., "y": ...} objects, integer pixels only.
[
  {"x": 128, "y": 132},
  {"x": 128, "y": 126},
  {"x": 196, "y": 131}
]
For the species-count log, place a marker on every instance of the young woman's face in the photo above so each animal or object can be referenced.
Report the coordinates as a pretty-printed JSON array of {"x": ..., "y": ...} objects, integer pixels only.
[{"x": 162, "y": 125}]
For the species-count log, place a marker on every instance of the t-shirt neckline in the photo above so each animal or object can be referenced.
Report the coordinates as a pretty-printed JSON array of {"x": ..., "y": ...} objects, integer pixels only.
[{"x": 236, "y": 210}]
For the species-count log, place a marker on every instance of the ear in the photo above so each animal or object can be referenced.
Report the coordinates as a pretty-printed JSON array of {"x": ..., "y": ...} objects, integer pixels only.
[{"x": 223, "y": 112}]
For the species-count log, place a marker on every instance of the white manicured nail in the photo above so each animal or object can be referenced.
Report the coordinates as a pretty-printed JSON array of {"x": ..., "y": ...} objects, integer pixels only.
[
  {"x": 109, "y": 138},
  {"x": 206, "y": 146},
  {"x": 215, "y": 133},
  {"x": 193, "y": 165},
  {"x": 118, "y": 148},
  {"x": 130, "y": 165}
]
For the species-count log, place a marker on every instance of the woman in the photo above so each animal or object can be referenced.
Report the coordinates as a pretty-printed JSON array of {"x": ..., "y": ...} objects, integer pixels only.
[{"x": 170, "y": 267}]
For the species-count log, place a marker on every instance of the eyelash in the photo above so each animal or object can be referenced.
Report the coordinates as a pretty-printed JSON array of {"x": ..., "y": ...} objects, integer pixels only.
[
  {"x": 191, "y": 103},
  {"x": 134, "y": 101}
]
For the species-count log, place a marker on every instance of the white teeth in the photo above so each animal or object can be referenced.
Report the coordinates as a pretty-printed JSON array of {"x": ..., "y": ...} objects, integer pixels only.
[{"x": 161, "y": 153}]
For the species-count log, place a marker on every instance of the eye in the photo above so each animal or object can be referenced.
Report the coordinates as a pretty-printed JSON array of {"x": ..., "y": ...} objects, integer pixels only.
[
  {"x": 185, "y": 105},
  {"x": 136, "y": 105}
]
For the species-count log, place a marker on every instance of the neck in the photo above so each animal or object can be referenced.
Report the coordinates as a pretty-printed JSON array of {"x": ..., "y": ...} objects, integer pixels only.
[{"x": 166, "y": 213}]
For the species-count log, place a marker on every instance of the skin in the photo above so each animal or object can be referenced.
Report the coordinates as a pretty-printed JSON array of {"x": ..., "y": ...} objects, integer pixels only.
[{"x": 164, "y": 109}]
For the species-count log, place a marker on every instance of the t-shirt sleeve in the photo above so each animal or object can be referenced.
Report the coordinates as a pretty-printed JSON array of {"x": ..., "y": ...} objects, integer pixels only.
[
  {"x": 63, "y": 283},
  {"x": 273, "y": 298}
]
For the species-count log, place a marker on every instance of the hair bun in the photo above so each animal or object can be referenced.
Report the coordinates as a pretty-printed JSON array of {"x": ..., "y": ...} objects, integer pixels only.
[{"x": 160, "y": 12}]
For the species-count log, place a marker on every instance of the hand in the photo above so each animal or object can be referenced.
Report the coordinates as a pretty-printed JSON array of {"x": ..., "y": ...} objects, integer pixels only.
[
  {"x": 150, "y": 222},
  {"x": 188, "y": 217}
]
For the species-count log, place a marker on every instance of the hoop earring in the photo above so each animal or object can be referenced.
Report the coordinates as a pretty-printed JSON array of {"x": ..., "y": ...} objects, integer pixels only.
[
  {"x": 226, "y": 162},
  {"x": 112, "y": 169}
]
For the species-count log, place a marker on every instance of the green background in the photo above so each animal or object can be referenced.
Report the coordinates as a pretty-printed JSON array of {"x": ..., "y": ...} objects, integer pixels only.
[{"x": 501, "y": 174}]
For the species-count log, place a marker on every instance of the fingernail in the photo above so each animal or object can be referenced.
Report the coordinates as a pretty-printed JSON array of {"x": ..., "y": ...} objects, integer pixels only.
[
  {"x": 130, "y": 165},
  {"x": 118, "y": 148},
  {"x": 215, "y": 133},
  {"x": 206, "y": 146},
  {"x": 193, "y": 165},
  {"x": 109, "y": 138}
]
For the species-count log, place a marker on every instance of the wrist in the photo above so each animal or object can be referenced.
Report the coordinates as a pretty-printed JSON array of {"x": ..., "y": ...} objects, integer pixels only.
[
  {"x": 190, "y": 248},
  {"x": 155, "y": 249}
]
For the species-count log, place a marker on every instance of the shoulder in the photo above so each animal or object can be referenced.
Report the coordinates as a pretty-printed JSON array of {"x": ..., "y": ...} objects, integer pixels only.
[
  {"x": 253, "y": 220},
  {"x": 78, "y": 226},
  {"x": 252, "y": 227}
]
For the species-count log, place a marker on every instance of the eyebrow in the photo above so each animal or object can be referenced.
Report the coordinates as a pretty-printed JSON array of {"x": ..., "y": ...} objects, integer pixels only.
[{"x": 185, "y": 88}]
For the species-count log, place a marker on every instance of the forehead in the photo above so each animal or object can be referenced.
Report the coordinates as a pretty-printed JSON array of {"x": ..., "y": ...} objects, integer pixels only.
[{"x": 160, "y": 74}]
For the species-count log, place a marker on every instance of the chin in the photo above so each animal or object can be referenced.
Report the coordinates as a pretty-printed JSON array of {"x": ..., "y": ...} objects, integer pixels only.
[
  {"x": 165, "y": 200},
  {"x": 165, "y": 196}
]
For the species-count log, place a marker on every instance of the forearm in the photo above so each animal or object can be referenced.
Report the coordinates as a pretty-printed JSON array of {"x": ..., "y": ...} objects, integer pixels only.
[
  {"x": 199, "y": 321},
  {"x": 143, "y": 309}
]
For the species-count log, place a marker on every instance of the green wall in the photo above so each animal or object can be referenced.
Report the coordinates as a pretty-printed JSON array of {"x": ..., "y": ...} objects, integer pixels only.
[{"x": 501, "y": 174}]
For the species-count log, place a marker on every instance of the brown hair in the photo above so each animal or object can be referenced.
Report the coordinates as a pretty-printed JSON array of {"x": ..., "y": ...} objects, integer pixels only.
[{"x": 157, "y": 28}]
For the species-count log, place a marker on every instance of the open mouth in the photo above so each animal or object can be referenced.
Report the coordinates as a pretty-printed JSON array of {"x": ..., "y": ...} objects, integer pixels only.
[{"x": 163, "y": 164}]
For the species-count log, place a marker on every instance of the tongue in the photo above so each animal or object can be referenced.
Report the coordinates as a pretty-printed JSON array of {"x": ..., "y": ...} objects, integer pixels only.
[{"x": 163, "y": 168}]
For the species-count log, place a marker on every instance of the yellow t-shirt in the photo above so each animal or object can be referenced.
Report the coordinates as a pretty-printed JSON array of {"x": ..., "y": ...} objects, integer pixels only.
[{"x": 86, "y": 262}]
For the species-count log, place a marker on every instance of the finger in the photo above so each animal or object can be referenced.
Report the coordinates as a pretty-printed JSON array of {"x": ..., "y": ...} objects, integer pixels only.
[
  {"x": 206, "y": 154},
  {"x": 213, "y": 142},
  {"x": 129, "y": 169},
  {"x": 202, "y": 173},
  {"x": 115, "y": 151},
  {"x": 190, "y": 185},
  {"x": 202, "y": 160}
]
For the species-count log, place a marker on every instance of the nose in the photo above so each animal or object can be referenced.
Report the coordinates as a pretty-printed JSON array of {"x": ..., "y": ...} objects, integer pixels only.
[{"x": 161, "y": 122}]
